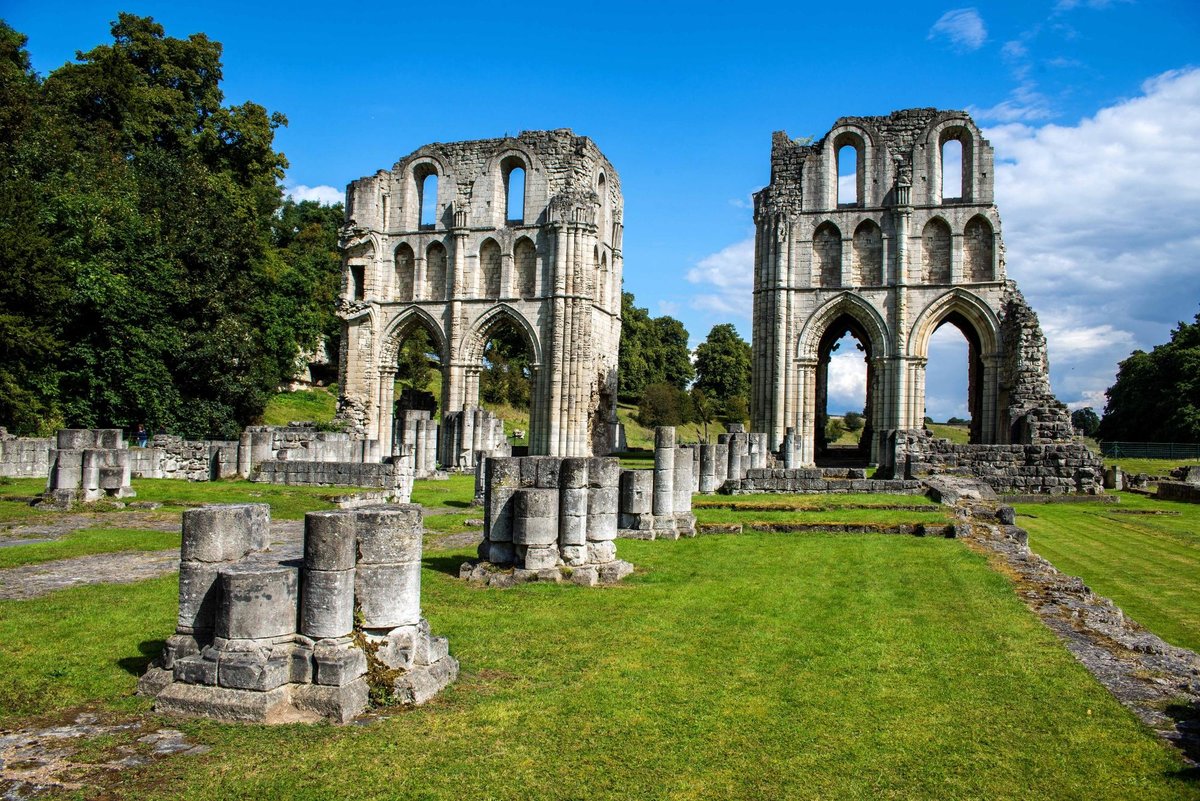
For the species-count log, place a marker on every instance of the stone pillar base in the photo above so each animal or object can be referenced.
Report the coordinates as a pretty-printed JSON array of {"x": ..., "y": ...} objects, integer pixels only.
[{"x": 503, "y": 576}]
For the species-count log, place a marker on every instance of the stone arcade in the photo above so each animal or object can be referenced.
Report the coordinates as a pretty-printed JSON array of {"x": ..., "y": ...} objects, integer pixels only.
[
  {"x": 889, "y": 263},
  {"x": 461, "y": 238}
]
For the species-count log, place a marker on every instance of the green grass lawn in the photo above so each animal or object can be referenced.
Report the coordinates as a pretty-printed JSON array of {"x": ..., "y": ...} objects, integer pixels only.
[
  {"x": 1148, "y": 563},
  {"x": 287, "y": 502},
  {"x": 755, "y": 667},
  {"x": 957, "y": 434},
  {"x": 638, "y": 436},
  {"x": 1153, "y": 467},
  {"x": 88, "y": 541},
  {"x": 316, "y": 405}
]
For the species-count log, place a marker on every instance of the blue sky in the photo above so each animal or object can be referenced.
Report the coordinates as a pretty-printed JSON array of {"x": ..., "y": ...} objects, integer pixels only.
[{"x": 1093, "y": 107}]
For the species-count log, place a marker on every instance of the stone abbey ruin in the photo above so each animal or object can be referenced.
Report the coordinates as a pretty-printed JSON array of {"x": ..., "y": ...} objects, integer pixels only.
[{"x": 459, "y": 239}]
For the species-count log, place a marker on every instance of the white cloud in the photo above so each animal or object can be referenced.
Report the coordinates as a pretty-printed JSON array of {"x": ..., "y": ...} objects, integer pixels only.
[
  {"x": 847, "y": 382},
  {"x": 963, "y": 27},
  {"x": 1099, "y": 222},
  {"x": 325, "y": 195},
  {"x": 731, "y": 271}
]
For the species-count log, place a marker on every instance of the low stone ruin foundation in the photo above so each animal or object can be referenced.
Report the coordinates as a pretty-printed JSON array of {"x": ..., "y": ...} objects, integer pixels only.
[
  {"x": 270, "y": 636},
  {"x": 657, "y": 504},
  {"x": 88, "y": 464},
  {"x": 548, "y": 518}
]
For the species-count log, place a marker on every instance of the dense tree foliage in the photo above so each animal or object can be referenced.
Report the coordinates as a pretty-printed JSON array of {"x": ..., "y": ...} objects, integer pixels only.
[
  {"x": 723, "y": 371},
  {"x": 147, "y": 270},
  {"x": 1156, "y": 397},
  {"x": 506, "y": 376},
  {"x": 1086, "y": 420},
  {"x": 654, "y": 350}
]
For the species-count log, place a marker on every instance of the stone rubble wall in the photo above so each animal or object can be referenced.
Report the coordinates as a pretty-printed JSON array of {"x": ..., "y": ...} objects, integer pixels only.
[
  {"x": 88, "y": 464},
  {"x": 24, "y": 457},
  {"x": 1056, "y": 469},
  {"x": 1033, "y": 415},
  {"x": 263, "y": 637},
  {"x": 816, "y": 480},
  {"x": 550, "y": 518},
  {"x": 1184, "y": 491}
]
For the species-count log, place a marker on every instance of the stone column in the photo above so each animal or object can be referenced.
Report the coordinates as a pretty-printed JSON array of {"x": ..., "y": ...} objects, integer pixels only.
[
  {"x": 681, "y": 500},
  {"x": 603, "y": 476},
  {"x": 387, "y": 581},
  {"x": 636, "y": 503},
  {"x": 573, "y": 511},
  {"x": 327, "y": 593},
  {"x": 664, "y": 470}
]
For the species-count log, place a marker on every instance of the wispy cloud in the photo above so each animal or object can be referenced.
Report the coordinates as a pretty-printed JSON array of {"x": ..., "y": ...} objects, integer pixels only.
[
  {"x": 325, "y": 195},
  {"x": 962, "y": 27}
]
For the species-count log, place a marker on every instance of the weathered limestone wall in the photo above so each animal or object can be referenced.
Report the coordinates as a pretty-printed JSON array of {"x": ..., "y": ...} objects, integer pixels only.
[
  {"x": 1029, "y": 411},
  {"x": 24, "y": 457},
  {"x": 551, "y": 270},
  {"x": 265, "y": 637},
  {"x": 471, "y": 434},
  {"x": 415, "y": 429},
  {"x": 551, "y": 519},
  {"x": 1178, "y": 491},
  {"x": 87, "y": 465},
  {"x": 1057, "y": 469},
  {"x": 396, "y": 475}
]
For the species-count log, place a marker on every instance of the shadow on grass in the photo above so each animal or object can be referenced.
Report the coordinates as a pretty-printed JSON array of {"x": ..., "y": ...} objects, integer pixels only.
[
  {"x": 1187, "y": 723},
  {"x": 458, "y": 504},
  {"x": 444, "y": 564},
  {"x": 136, "y": 665}
]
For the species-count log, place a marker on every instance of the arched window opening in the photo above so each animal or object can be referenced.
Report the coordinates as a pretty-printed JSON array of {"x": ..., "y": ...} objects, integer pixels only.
[
  {"x": 953, "y": 397},
  {"x": 867, "y": 261},
  {"x": 514, "y": 192},
  {"x": 429, "y": 200},
  {"x": 435, "y": 272},
  {"x": 602, "y": 222},
  {"x": 525, "y": 268},
  {"x": 356, "y": 288},
  {"x": 935, "y": 252},
  {"x": 827, "y": 253},
  {"x": 978, "y": 251},
  {"x": 506, "y": 380},
  {"x": 406, "y": 265},
  {"x": 489, "y": 269},
  {"x": 952, "y": 170},
  {"x": 847, "y": 176},
  {"x": 417, "y": 389},
  {"x": 843, "y": 402}
]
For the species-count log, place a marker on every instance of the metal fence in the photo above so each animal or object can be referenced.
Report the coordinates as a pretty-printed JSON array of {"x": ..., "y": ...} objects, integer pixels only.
[{"x": 1151, "y": 450}]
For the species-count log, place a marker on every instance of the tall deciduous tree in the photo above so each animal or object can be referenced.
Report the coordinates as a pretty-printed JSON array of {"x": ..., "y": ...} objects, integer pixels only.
[
  {"x": 147, "y": 278},
  {"x": 1156, "y": 397},
  {"x": 654, "y": 350},
  {"x": 723, "y": 370}
]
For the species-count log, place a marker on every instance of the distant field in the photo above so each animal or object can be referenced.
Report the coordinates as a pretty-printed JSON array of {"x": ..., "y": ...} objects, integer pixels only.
[{"x": 317, "y": 405}]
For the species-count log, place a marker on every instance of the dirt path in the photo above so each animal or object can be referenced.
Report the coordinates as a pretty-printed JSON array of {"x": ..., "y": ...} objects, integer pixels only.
[{"x": 125, "y": 567}]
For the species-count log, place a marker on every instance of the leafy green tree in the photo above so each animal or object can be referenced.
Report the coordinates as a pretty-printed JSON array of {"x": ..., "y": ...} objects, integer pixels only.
[
  {"x": 834, "y": 428},
  {"x": 507, "y": 376},
  {"x": 654, "y": 350},
  {"x": 723, "y": 371},
  {"x": 147, "y": 276},
  {"x": 702, "y": 409},
  {"x": 1156, "y": 397},
  {"x": 662, "y": 405},
  {"x": 415, "y": 363},
  {"x": 1086, "y": 420},
  {"x": 853, "y": 421}
]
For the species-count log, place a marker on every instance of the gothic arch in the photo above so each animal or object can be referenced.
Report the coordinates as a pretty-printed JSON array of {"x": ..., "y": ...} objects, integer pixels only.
[
  {"x": 402, "y": 325},
  {"x": 969, "y": 308},
  {"x": 470, "y": 348},
  {"x": 849, "y": 304}
]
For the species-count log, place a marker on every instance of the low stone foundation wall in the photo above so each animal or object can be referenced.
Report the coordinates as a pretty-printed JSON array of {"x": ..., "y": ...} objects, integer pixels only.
[
  {"x": 1022, "y": 469},
  {"x": 88, "y": 464},
  {"x": 1178, "y": 491},
  {"x": 815, "y": 480},
  {"x": 395, "y": 476},
  {"x": 23, "y": 457},
  {"x": 267, "y": 637},
  {"x": 657, "y": 504}
]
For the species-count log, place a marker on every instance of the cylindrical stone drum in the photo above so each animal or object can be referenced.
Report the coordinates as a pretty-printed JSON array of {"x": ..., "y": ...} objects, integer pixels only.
[
  {"x": 258, "y": 601},
  {"x": 220, "y": 533},
  {"x": 682, "y": 487},
  {"x": 708, "y": 473},
  {"x": 573, "y": 516},
  {"x": 535, "y": 517},
  {"x": 573, "y": 473},
  {"x": 637, "y": 491},
  {"x": 389, "y": 535},
  {"x": 388, "y": 595},
  {"x": 664, "y": 470},
  {"x": 199, "y": 595},
  {"x": 327, "y": 603},
  {"x": 503, "y": 476},
  {"x": 330, "y": 540},
  {"x": 604, "y": 471}
]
